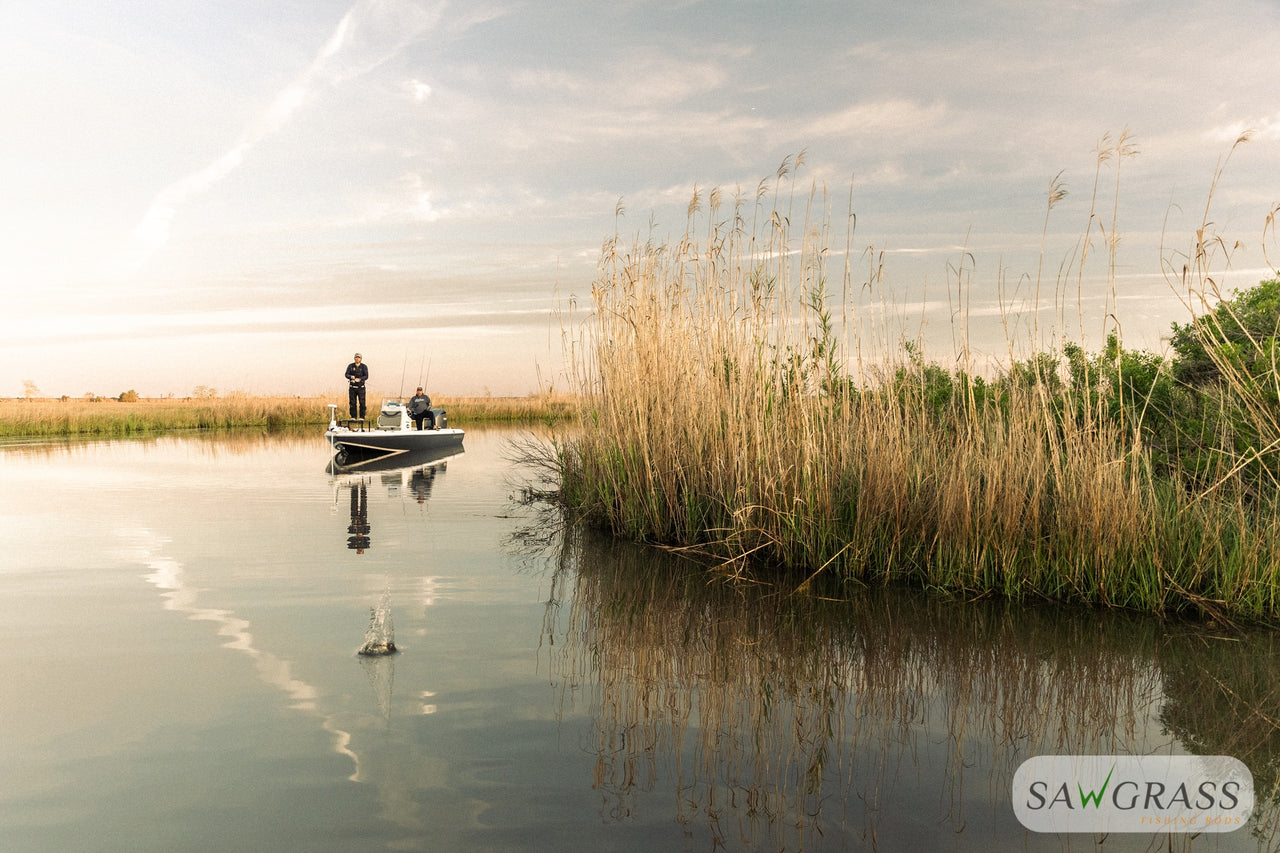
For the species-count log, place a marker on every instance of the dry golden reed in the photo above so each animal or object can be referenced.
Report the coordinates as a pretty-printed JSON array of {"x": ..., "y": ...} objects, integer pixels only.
[
  {"x": 109, "y": 417},
  {"x": 732, "y": 409}
]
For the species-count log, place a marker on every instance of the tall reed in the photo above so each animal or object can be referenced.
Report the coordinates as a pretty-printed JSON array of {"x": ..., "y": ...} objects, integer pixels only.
[{"x": 724, "y": 414}]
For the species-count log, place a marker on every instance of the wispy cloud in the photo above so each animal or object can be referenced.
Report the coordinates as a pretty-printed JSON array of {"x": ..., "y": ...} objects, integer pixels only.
[
  {"x": 1263, "y": 127},
  {"x": 409, "y": 153},
  {"x": 370, "y": 33}
]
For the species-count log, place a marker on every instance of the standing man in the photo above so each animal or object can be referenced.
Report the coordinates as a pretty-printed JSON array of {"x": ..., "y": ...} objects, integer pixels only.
[
  {"x": 357, "y": 375},
  {"x": 420, "y": 408}
]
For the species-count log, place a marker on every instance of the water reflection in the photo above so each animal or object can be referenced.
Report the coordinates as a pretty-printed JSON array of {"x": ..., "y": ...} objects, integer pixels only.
[
  {"x": 691, "y": 715},
  {"x": 359, "y": 527},
  {"x": 412, "y": 473},
  {"x": 409, "y": 474},
  {"x": 169, "y": 577},
  {"x": 891, "y": 719},
  {"x": 1223, "y": 697},
  {"x": 381, "y": 672}
]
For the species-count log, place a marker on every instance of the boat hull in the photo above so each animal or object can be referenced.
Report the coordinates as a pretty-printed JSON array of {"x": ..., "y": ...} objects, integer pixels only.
[
  {"x": 414, "y": 460},
  {"x": 355, "y": 445}
]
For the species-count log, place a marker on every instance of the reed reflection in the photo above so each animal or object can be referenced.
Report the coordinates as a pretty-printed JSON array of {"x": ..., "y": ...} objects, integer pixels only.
[
  {"x": 1222, "y": 697},
  {"x": 891, "y": 718}
]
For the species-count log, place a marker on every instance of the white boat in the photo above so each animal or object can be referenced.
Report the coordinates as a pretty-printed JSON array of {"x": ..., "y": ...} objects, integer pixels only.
[{"x": 391, "y": 434}]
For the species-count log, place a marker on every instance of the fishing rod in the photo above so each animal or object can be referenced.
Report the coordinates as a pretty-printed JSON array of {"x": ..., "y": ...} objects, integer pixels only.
[
  {"x": 403, "y": 370},
  {"x": 423, "y": 381}
]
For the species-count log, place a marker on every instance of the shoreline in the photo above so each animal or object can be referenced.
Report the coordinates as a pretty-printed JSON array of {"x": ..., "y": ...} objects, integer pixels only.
[{"x": 48, "y": 417}]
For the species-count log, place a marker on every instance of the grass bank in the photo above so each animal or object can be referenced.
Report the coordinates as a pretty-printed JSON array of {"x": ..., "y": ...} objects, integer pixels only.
[
  {"x": 109, "y": 417},
  {"x": 723, "y": 415}
]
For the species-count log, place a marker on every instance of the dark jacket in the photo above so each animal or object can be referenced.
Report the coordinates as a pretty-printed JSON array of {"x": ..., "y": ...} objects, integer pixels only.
[
  {"x": 357, "y": 374},
  {"x": 419, "y": 404}
]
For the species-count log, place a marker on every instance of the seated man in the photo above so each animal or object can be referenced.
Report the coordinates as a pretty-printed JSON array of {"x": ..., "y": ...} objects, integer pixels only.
[{"x": 420, "y": 409}]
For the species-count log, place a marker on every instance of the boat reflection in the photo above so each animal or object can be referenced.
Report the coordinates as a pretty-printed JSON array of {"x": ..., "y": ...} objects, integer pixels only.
[
  {"x": 412, "y": 473},
  {"x": 359, "y": 527}
]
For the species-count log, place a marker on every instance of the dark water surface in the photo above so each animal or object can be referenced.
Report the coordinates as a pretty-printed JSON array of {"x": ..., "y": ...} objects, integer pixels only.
[{"x": 181, "y": 616}]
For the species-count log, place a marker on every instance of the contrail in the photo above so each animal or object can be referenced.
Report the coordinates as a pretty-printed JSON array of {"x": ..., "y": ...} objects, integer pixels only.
[{"x": 152, "y": 231}]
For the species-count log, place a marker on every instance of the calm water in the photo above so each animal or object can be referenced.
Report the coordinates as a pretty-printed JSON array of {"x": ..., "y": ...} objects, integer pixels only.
[{"x": 181, "y": 618}]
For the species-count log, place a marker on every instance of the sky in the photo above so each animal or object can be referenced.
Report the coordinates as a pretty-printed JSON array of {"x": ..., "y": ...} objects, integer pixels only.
[{"x": 239, "y": 195}]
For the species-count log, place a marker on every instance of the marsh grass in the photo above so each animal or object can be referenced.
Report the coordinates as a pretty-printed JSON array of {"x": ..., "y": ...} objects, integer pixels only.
[
  {"x": 547, "y": 408},
  {"x": 23, "y": 418},
  {"x": 723, "y": 415},
  {"x": 107, "y": 417}
]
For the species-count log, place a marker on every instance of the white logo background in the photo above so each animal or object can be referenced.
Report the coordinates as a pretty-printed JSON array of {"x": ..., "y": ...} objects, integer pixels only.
[{"x": 1133, "y": 793}]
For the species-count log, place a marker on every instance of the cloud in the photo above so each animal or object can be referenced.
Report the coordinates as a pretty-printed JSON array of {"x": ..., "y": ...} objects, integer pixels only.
[
  {"x": 370, "y": 33},
  {"x": 424, "y": 210},
  {"x": 152, "y": 232},
  {"x": 1263, "y": 127},
  {"x": 897, "y": 117},
  {"x": 418, "y": 90}
]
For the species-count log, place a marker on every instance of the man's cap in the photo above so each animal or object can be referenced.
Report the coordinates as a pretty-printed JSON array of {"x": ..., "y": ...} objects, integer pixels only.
[
  {"x": 359, "y": 356},
  {"x": 419, "y": 387}
]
